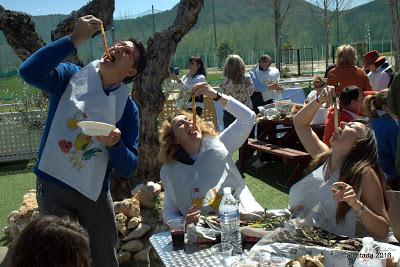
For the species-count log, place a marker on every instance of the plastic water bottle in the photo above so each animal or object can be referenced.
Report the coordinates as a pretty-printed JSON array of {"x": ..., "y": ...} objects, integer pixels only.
[
  {"x": 367, "y": 255},
  {"x": 230, "y": 222}
]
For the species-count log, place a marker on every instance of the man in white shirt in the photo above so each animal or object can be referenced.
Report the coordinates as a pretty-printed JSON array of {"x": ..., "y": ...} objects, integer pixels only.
[
  {"x": 380, "y": 73},
  {"x": 265, "y": 80}
]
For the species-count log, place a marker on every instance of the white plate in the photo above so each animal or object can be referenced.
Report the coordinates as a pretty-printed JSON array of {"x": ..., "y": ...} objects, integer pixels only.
[{"x": 95, "y": 128}]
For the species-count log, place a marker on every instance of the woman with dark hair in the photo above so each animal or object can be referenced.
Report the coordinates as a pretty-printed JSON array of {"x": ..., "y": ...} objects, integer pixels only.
[
  {"x": 236, "y": 84},
  {"x": 197, "y": 161},
  {"x": 346, "y": 73},
  {"x": 52, "y": 241},
  {"x": 345, "y": 194},
  {"x": 386, "y": 130},
  {"x": 197, "y": 74}
]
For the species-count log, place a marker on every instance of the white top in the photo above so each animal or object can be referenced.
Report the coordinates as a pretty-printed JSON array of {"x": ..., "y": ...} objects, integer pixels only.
[
  {"x": 269, "y": 76},
  {"x": 379, "y": 79},
  {"x": 202, "y": 183}
]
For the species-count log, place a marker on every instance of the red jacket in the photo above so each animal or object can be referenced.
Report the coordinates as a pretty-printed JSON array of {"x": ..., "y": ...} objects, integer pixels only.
[{"x": 345, "y": 115}]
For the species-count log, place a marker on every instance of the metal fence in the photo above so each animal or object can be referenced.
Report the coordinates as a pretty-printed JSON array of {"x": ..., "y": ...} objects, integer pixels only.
[{"x": 17, "y": 142}]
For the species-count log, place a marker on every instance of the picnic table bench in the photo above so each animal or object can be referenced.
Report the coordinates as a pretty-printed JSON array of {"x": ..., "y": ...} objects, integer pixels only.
[{"x": 279, "y": 139}]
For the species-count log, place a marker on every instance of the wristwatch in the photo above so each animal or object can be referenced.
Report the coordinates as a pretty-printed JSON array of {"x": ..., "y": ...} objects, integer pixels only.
[{"x": 219, "y": 95}]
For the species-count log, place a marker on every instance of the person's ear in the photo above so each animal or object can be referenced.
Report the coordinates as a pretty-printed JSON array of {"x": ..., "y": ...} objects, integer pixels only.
[{"x": 131, "y": 72}]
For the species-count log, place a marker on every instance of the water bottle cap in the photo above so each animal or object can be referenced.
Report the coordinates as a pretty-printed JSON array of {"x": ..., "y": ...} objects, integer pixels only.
[
  {"x": 368, "y": 241},
  {"x": 227, "y": 191}
]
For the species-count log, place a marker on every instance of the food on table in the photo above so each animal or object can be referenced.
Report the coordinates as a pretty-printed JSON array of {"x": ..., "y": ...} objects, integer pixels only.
[{"x": 307, "y": 261}]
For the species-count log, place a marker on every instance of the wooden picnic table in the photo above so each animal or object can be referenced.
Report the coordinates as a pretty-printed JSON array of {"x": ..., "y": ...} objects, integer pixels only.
[{"x": 279, "y": 139}]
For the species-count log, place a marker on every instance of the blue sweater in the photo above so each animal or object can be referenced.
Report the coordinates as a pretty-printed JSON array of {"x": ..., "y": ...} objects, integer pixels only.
[
  {"x": 45, "y": 71},
  {"x": 386, "y": 130}
]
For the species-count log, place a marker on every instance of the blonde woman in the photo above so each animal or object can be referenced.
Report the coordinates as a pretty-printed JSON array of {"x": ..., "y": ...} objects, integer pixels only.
[
  {"x": 346, "y": 73},
  {"x": 236, "y": 84},
  {"x": 197, "y": 162}
]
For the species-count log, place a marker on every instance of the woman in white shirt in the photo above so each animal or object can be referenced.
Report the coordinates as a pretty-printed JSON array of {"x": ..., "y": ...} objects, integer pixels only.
[
  {"x": 345, "y": 194},
  {"x": 197, "y": 162},
  {"x": 197, "y": 74}
]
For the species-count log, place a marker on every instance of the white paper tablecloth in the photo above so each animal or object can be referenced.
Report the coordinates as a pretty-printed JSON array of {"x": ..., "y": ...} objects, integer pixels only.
[{"x": 162, "y": 243}]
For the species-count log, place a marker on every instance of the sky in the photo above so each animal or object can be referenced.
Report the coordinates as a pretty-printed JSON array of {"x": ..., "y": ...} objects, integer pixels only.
[{"x": 123, "y": 8}]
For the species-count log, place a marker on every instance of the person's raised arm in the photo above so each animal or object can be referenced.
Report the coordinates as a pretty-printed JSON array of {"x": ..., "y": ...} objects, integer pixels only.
[
  {"x": 43, "y": 69},
  {"x": 302, "y": 123}
]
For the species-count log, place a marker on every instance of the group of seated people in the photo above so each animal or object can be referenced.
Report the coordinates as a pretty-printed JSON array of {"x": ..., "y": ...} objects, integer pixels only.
[{"x": 355, "y": 165}]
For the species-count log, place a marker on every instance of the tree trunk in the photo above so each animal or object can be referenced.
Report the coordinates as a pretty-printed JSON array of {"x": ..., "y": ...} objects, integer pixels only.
[
  {"x": 278, "y": 25},
  {"x": 148, "y": 93},
  {"x": 395, "y": 33},
  {"x": 327, "y": 27},
  {"x": 19, "y": 30}
]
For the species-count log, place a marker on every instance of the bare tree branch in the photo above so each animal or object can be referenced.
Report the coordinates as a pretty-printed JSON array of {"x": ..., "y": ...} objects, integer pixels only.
[
  {"x": 101, "y": 9},
  {"x": 286, "y": 11},
  {"x": 19, "y": 30}
]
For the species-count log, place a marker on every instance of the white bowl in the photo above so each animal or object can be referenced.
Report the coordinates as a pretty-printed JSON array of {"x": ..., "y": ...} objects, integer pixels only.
[{"x": 95, "y": 128}]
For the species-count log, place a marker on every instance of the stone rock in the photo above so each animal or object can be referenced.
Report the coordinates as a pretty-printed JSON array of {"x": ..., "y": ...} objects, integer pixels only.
[
  {"x": 12, "y": 217},
  {"x": 130, "y": 207},
  {"x": 35, "y": 215},
  {"x": 134, "y": 222},
  {"x": 140, "y": 231},
  {"x": 123, "y": 256},
  {"x": 120, "y": 221},
  {"x": 132, "y": 246},
  {"x": 147, "y": 193},
  {"x": 142, "y": 255},
  {"x": 29, "y": 205}
]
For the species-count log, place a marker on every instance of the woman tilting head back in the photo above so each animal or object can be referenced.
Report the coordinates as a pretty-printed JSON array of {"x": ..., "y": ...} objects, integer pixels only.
[
  {"x": 197, "y": 162},
  {"x": 347, "y": 184}
]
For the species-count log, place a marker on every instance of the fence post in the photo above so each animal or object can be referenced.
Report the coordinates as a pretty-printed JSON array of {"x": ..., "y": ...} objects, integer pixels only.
[{"x": 298, "y": 61}]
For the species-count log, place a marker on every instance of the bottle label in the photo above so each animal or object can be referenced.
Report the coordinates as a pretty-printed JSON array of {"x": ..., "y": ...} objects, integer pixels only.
[{"x": 228, "y": 216}]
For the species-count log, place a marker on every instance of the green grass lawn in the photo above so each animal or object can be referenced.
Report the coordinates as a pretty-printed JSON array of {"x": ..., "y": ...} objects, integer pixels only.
[{"x": 13, "y": 185}]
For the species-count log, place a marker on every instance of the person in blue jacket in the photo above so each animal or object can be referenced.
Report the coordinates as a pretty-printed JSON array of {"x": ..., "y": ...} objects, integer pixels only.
[
  {"x": 386, "y": 128},
  {"x": 73, "y": 169}
]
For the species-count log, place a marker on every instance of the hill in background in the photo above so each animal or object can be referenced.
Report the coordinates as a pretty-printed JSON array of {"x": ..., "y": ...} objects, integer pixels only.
[{"x": 248, "y": 26}]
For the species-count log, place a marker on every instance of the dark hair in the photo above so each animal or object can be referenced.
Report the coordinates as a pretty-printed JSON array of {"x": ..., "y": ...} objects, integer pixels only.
[
  {"x": 349, "y": 94},
  {"x": 328, "y": 69},
  {"x": 199, "y": 61},
  {"x": 362, "y": 157},
  {"x": 52, "y": 241},
  {"x": 264, "y": 58},
  {"x": 140, "y": 64},
  {"x": 373, "y": 103}
]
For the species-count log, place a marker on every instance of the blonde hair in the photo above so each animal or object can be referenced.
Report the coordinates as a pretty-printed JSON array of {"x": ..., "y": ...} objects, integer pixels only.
[
  {"x": 234, "y": 69},
  {"x": 168, "y": 146},
  {"x": 346, "y": 55},
  {"x": 373, "y": 103},
  {"x": 318, "y": 80}
]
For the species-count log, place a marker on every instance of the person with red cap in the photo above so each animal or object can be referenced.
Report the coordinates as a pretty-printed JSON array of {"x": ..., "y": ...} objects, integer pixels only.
[{"x": 380, "y": 72}]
